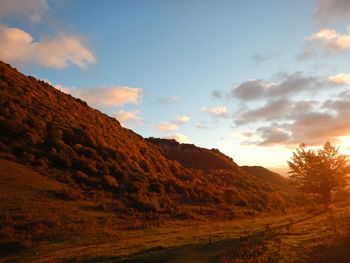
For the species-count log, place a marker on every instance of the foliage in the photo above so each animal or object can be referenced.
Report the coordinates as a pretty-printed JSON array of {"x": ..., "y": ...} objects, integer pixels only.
[
  {"x": 319, "y": 171},
  {"x": 62, "y": 137}
]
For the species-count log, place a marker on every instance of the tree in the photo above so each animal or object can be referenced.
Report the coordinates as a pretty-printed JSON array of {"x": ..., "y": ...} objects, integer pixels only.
[{"x": 319, "y": 171}]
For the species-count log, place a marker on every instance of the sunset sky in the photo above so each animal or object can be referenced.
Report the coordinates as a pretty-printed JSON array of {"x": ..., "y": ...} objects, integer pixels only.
[{"x": 251, "y": 78}]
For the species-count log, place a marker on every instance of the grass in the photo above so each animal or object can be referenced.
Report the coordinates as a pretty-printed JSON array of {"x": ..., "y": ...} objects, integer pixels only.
[{"x": 52, "y": 222}]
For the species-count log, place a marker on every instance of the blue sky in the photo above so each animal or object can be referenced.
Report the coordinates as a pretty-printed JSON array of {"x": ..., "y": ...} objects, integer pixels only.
[{"x": 251, "y": 78}]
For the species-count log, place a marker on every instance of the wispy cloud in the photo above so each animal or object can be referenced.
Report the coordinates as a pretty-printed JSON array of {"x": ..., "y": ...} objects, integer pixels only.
[
  {"x": 218, "y": 111},
  {"x": 327, "y": 11},
  {"x": 200, "y": 125},
  {"x": 32, "y": 10},
  {"x": 166, "y": 126},
  {"x": 259, "y": 58},
  {"x": 167, "y": 100},
  {"x": 181, "y": 119},
  {"x": 19, "y": 48}
]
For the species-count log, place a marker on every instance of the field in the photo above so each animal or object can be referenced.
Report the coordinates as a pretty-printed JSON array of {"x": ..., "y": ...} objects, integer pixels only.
[{"x": 46, "y": 221}]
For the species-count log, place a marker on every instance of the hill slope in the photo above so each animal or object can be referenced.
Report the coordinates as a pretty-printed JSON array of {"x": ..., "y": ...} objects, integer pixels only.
[
  {"x": 62, "y": 137},
  {"x": 267, "y": 175}
]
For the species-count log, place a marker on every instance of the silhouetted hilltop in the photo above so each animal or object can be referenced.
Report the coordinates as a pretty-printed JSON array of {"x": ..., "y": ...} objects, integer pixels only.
[
  {"x": 64, "y": 138},
  {"x": 267, "y": 175}
]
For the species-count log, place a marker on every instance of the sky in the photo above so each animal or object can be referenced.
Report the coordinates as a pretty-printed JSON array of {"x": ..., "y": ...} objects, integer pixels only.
[{"x": 250, "y": 78}]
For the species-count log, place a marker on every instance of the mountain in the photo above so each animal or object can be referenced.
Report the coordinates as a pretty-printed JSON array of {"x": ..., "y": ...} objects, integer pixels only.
[
  {"x": 267, "y": 175},
  {"x": 63, "y": 138}
]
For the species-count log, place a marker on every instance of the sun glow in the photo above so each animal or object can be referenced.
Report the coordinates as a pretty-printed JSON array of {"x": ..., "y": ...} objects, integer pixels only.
[{"x": 344, "y": 143}]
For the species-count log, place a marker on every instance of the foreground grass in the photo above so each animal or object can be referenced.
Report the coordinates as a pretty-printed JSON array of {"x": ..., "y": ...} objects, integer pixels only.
[
  {"x": 238, "y": 241},
  {"x": 68, "y": 228}
]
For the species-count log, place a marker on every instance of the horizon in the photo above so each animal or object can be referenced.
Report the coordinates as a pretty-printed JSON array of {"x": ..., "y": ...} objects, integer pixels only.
[{"x": 196, "y": 71}]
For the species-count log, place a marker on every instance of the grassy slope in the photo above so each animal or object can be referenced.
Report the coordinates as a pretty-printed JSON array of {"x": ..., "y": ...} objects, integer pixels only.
[{"x": 81, "y": 229}]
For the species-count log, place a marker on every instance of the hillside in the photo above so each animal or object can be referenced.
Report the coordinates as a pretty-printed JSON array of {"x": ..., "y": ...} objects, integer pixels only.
[
  {"x": 66, "y": 139},
  {"x": 267, "y": 175},
  {"x": 95, "y": 159}
]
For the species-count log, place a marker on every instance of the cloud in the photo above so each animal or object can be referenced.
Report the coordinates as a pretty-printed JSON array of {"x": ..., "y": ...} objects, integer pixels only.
[
  {"x": 128, "y": 117},
  {"x": 270, "y": 111},
  {"x": 180, "y": 138},
  {"x": 167, "y": 100},
  {"x": 109, "y": 96},
  {"x": 242, "y": 134},
  {"x": 326, "y": 42},
  {"x": 218, "y": 111},
  {"x": 200, "y": 125},
  {"x": 260, "y": 58},
  {"x": 19, "y": 48},
  {"x": 166, "y": 126},
  {"x": 307, "y": 124},
  {"x": 181, "y": 119},
  {"x": 217, "y": 94},
  {"x": 30, "y": 9},
  {"x": 288, "y": 84},
  {"x": 272, "y": 135},
  {"x": 327, "y": 11},
  {"x": 340, "y": 79},
  {"x": 65, "y": 89}
]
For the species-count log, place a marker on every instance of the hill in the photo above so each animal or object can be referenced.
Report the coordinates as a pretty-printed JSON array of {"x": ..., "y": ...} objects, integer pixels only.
[
  {"x": 267, "y": 175},
  {"x": 191, "y": 156},
  {"x": 89, "y": 153}
]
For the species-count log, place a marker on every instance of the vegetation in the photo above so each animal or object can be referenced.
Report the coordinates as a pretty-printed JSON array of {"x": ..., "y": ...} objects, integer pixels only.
[
  {"x": 75, "y": 186},
  {"x": 319, "y": 171}
]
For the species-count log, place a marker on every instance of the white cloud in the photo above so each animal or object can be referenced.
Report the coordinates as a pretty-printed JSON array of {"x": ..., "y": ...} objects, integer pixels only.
[
  {"x": 19, "y": 48},
  {"x": 30, "y": 9},
  {"x": 180, "y": 138},
  {"x": 182, "y": 119},
  {"x": 108, "y": 96},
  {"x": 218, "y": 111},
  {"x": 332, "y": 10},
  {"x": 340, "y": 79},
  {"x": 128, "y": 117},
  {"x": 166, "y": 126}
]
